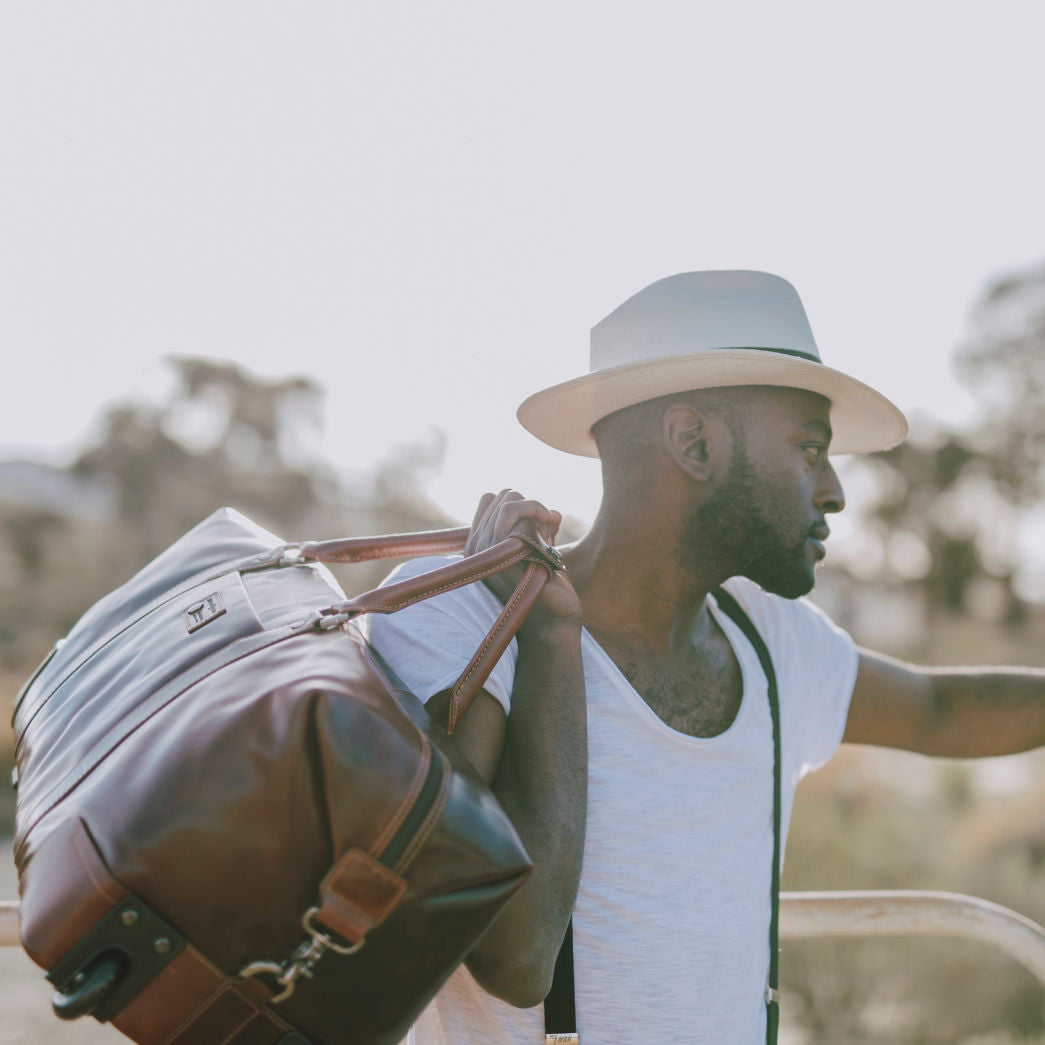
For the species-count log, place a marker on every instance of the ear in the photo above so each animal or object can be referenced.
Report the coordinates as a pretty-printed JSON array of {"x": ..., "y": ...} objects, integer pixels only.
[{"x": 691, "y": 440}]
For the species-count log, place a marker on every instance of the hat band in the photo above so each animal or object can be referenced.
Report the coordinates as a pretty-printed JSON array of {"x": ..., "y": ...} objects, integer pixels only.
[
  {"x": 792, "y": 352},
  {"x": 812, "y": 357}
]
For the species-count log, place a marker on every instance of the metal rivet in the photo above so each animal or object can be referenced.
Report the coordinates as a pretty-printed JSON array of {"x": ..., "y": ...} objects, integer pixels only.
[
  {"x": 161, "y": 945},
  {"x": 129, "y": 917}
]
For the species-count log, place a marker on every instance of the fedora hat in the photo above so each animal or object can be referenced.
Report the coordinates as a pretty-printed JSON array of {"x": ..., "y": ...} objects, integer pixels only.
[{"x": 707, "y": 330}]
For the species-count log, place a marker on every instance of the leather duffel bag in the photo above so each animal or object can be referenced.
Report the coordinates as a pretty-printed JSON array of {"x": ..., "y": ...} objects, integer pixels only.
[{"x": 233, "y": 825}]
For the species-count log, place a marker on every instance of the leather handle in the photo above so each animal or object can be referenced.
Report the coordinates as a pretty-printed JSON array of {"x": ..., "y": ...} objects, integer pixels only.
[
  {"x": 399, "y": 595},
  {"x": 542, "y": 560},
  {"x": 388, "y": 546},
  {"x": 474, "y": 676}
]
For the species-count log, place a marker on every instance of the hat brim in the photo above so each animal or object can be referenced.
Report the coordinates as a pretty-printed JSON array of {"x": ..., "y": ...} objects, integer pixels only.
[{"x": 863, "y": 420}]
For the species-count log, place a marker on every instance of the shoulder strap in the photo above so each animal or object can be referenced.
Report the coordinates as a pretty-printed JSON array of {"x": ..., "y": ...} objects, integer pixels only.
[
  {"x": 560, "y": 1018},
  {"x": 732, "y": 609},
  {"x": 560, "y": 1013}
]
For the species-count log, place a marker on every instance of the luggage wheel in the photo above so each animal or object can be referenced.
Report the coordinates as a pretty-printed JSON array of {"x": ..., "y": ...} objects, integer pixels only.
[{"x": 89, "y": 987}]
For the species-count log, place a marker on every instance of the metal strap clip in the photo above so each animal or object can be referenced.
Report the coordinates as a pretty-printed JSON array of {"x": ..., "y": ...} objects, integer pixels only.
[
  {"x": 290, "y": 555},
  {"x": 330, "y": 619},
  {"x": 772, "y": 996},
  {"x": 303, "y": 961}
]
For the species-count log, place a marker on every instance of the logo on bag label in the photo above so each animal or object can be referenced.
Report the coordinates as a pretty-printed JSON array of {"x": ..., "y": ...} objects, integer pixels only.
[{"x": 203, "y": 612}]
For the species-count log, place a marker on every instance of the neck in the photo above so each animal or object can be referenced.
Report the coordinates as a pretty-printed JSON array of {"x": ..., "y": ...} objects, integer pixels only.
[{"x": 627, "y": 573}]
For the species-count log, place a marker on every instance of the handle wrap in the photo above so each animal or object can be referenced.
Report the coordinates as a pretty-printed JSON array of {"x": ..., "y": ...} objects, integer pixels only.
[{"x": 541, "y": 561}]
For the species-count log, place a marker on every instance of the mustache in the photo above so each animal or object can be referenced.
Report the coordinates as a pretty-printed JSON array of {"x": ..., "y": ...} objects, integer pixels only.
[{"x": 819, "y": 531}]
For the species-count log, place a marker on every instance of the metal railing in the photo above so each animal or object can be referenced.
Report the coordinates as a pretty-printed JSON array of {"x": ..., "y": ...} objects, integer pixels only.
[
  {"x": 914, "y": 913},
  {"x": 848, "y": 914},
  {"x": 9, "y": 923}
]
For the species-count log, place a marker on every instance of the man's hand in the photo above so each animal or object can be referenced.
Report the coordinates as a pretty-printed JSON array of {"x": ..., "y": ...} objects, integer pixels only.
[
  {"x": 501, "y": 515},
  {"x": 536, "y": 762}
]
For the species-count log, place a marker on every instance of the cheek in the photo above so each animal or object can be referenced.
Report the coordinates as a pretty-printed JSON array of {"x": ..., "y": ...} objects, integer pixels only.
[{"x": 787, "y": 493}]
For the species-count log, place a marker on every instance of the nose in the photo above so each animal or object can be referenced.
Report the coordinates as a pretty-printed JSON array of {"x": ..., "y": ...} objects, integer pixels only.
[{"x": 830, "y": 496}]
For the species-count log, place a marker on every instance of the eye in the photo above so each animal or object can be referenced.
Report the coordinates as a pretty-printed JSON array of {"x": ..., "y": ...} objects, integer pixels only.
[{"x": 814, "y": 450}]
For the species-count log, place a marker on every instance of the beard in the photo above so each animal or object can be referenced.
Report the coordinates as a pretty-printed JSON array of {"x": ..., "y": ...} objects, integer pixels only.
[{"x": 740, "y": 532}]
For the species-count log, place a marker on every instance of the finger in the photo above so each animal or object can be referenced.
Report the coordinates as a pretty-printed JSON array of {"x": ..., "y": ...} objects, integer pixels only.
[
  {"x": 524, "y": 516},
  {"x": 484, "y": 503},
  {"x": 488, "y": 524},
  {"x": 550, "y": 522},
  {"x": 488, "y": 527},
  {"x": 484, "y": 521}
]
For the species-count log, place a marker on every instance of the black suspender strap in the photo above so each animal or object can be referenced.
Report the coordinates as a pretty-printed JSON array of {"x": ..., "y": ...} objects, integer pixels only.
[
  {"x": 560, "y": 1017},
  {"x": 730, "y": 607},
  {"x": 560, "y": 1014}
]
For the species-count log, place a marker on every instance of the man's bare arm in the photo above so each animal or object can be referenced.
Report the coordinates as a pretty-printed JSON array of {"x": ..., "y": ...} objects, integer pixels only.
[
  {"x": 536, "y": 763},
  {"x": 949, "y": 712}
]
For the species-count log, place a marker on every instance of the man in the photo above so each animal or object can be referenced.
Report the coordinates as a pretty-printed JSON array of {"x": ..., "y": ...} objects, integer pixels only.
[{"x": 637, "y": 760}]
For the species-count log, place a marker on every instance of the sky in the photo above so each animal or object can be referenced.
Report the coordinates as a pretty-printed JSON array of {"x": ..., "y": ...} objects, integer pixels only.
[{"x": 425, "y": 207}]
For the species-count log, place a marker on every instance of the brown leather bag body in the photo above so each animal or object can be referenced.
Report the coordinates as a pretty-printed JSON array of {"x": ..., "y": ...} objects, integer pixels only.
[{"x": 232, "y": 825}]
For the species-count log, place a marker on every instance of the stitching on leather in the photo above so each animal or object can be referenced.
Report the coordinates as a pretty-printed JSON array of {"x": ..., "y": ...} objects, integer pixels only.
[
  {"x": 421, "y": 836},
  {"x": 251, "y": 1016},
  {"x": 499, "y": 626},
  {"x": 405, "y": 806},
  {"x": 477, "y": 576},
  {"x": 204, "y": 1005},
  {"x": 212, "y": 998},
  {"x": 369, "y": 553}
]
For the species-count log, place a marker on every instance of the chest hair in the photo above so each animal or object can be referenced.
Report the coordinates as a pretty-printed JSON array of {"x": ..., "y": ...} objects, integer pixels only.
[{"x": 696, "y": 691}]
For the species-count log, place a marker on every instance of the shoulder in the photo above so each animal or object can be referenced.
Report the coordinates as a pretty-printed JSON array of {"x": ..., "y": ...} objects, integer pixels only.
[
  {"x": 472, "y": 600},
  {"x": 779, "y": 620},
  {"x": 815, "y": 663},
  {"x": 807, "y": 648},
  {"x": 414, "y": 567},
  {"x": 429, "y": 642}
]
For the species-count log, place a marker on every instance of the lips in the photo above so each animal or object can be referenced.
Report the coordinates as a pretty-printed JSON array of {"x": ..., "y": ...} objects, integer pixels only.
[
  {"x": 817, "y": 535},
  {"x": 820, "y": 532}
]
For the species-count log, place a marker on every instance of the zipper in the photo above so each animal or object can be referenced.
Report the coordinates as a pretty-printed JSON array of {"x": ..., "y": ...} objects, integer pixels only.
[
  {"x": 251, "y": 564},
  {"x": 421, "y": 808}
]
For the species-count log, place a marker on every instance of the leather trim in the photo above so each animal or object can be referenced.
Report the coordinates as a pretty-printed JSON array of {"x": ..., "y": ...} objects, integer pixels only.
[
  {"x": 389, "y": 546},
  {"x": 357, "y": 894},
  {"x": 68, "y": 893}
]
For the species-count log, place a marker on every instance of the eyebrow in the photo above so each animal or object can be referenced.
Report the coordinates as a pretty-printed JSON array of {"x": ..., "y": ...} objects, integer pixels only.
[{"x": 821, "y": 428}]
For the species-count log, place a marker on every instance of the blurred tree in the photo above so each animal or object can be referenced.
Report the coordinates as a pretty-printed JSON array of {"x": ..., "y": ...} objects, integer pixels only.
[
  {"x": 223, "y": 437},
  {"x": 955, "y": 499},
  {"x": 940, "y": 534},
  {"x": 219, "y": 439},
  {"x": 1003, "y": 359}
]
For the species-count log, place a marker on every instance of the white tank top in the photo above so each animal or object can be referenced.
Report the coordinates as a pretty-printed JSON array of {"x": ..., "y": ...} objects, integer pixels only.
[{"x": 671, "y": 922}]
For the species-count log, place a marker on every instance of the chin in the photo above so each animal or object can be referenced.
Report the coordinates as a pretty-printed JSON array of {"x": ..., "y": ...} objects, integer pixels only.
[{"x": 788, "y": 584}]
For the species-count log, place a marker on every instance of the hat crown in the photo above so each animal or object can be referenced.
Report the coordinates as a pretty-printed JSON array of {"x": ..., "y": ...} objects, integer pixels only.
[{"x": 701, "y": 312}]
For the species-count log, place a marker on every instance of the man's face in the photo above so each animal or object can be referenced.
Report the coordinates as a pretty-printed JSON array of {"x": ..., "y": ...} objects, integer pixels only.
[{"x": 766, "y": 521}]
